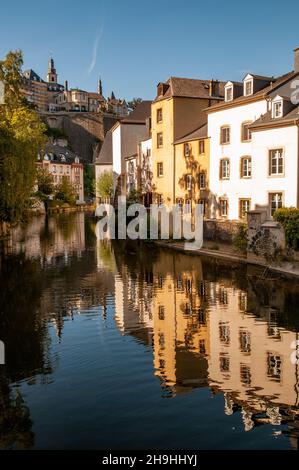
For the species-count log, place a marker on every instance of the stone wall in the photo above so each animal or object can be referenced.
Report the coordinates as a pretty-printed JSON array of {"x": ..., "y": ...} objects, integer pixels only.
[
  {"x": 85, "y": 131},
  {"x": 266, "y": 238},
  {"x": 220, "y": 230}
]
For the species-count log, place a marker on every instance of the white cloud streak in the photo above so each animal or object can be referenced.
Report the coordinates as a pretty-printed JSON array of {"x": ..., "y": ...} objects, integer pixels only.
[{"x": 95, "y": 50}]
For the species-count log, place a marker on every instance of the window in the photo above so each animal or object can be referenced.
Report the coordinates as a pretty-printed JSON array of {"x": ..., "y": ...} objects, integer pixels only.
[
  {"x": 225, "y": 135},
  {"x": 204, "y": 204},
  {"x": 224, "y": 363},
  {"x": 159, "y": 115},
  {"x": 224, "y": 169},
  {"x": 148, "y": 152},
  {"x": 244, "y": 207},
  {"x": 223, "y": 206},
  {"x": 229, "y": 93},
  {"x": 180, "y": 202},
  {"x": 186, "y": 150},
  {"x": 248, "y": 87},
  {"x": 131, "y": 167},
  {"x": 246, "y": 132},
  {"x": 202, "y": 181},
  {"x": 159, "y": 139},
  {"x": 189, "y": 182},
  {"x": 277, "y": 109},
  {"x": 201, "y": 147},
  {"x": 224, "y": 333},
  {"x": 188, "y": 206},
  {"x": 161, "y": 313},
  {"x": 274, "y": 366},
  {"x": 276, "y": 162},
  {"x": 202, "y": 346},
  {"x": 245, "y": 341},
  {"x": 245, "y": 167},
  {"x": 159, "y": 169},
  {"x": 159, "y": 198},
  {"x": 275, "y": 202}
]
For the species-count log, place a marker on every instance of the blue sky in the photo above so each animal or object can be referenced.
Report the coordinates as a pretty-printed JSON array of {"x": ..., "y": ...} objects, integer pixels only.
[{"x": 135, "y": 44}]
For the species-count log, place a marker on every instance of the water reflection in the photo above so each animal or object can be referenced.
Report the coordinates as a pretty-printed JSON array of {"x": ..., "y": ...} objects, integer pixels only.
[{"x": 207, "y": 325}]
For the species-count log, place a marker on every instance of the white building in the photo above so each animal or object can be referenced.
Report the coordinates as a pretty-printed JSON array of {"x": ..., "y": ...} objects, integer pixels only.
[
  {"x": 121, "y": 145},
  {"x": 139, "y": 171},
  {"x": 254, "y": 146}
]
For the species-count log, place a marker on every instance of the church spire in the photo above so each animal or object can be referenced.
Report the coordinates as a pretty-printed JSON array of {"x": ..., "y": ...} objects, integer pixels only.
[
  {"x": 51, "y": 75},
  {"x": 100, "y": 88}
]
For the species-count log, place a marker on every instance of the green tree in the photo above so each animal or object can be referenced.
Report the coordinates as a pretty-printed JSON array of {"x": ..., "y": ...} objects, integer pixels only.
[
  {"x": 89, "y": 181},
  {"x": 134, "y": 102},
  {"x": 45, "y": 185},
  {"x": 21, "y": 136},
  {"x": 105, "y": 185},
  {"x": 66, "y": 191},
  {"x": 288, "y": 217}
]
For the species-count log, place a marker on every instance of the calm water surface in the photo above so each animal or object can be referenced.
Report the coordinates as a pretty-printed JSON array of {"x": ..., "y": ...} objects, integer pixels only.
[{"x": 119, "y": 346}]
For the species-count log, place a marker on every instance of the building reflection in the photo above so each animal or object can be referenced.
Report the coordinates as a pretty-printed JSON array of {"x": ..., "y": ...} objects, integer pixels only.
[{"x": 213, "y": 332}]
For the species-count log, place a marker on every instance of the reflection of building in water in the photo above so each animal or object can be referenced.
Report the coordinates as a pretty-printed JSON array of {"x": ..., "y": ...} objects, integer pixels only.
[
  {"x": 250, "y": 360},
  {"x": 48, "y": 238},
  {"x": 203, "y": 336},
  {"x": 133, "y": 301},
  {"x": 181, "y": 324}
]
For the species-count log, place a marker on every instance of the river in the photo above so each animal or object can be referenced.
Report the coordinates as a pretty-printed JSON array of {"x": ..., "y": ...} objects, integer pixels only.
[{"x": 129, "y": 346}]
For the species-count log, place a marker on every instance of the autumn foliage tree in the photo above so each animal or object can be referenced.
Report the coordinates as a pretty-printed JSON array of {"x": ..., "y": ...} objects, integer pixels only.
[{"x": 21, "y": 136}]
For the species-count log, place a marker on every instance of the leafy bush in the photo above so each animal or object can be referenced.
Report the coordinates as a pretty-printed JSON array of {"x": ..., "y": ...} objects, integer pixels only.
[
  {"x": 105, "y": 184},
  {"x": 288, "y": 217}
]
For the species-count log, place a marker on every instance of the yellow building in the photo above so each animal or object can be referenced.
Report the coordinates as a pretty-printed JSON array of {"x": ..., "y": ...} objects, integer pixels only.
[
  {"x": 192, "y": 160},
  {"x": 181, "y": 335},
  {"x": 177, "y": 110}
]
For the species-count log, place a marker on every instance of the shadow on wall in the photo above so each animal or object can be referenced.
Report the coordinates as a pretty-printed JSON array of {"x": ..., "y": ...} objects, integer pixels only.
[{"x": 85, "y": 132}]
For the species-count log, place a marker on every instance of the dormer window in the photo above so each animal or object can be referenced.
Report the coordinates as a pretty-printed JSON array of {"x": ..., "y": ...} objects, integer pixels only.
[
  {"x": 277, "y": 109},
  {"x": 229, "y": 93},
  {"x": 248, "y": 87}
]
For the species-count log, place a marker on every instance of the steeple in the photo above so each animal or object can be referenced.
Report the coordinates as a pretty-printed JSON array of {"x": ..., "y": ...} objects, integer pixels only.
[
  {"x": 51, "y": 75},
  {"x": 112, "y": 97},
  {"x": 100, "y": 88}
]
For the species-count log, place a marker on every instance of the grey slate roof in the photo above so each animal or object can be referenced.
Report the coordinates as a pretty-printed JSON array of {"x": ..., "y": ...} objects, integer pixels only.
[
  {"x": 31, "y": 75},
  {"x": 139, "y": 114},
  {"x": 267, "y": 120},
  {"x": 105, "y": 155},
  {"x": 274, "y": 85}
]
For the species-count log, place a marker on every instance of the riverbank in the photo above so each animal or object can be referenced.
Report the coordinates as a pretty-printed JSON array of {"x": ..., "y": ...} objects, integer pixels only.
[{"x": 227, "y": 252}]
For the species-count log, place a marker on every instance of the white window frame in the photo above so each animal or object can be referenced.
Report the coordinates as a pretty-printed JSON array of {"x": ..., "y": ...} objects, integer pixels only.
[
  {"x": 225, "y": 175},
  {"x": 227, "y": 128},
  {"x": 159, "y": 168},
  {"x": 231, "y": 90},
  {"x": 248, "y": 167},
  {"x": 277, "y": 104},
  {"x": 242, "y": 201},
  {"x": 277, "y": 156},
  {"x": 222, "y": 200},
  {"x": 278, "y": 203},
  {"x": 247, "y": 82}
]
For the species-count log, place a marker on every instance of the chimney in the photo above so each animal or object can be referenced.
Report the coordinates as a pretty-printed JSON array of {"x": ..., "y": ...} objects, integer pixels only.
[
  {"x": 296, "y": 60},
  {"x": 214, "y": 89},
  {"x": 66, "y": 85}
]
